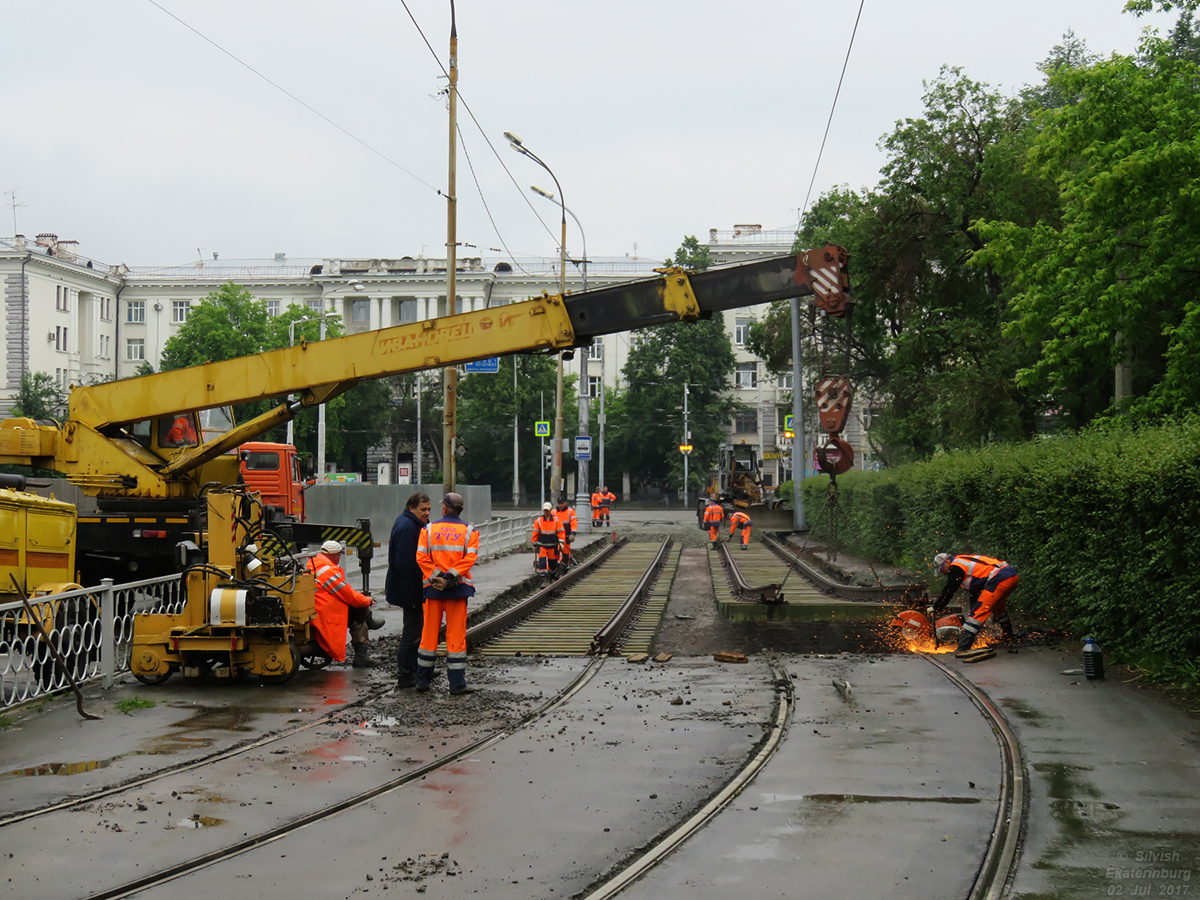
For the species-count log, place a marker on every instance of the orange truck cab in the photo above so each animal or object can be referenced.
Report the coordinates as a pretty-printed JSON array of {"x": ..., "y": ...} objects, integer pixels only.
[{"x": 273, "y": 470}]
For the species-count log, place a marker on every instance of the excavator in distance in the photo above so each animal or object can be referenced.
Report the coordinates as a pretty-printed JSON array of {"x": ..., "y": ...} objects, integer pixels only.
[{"x": 127, "y": 443}]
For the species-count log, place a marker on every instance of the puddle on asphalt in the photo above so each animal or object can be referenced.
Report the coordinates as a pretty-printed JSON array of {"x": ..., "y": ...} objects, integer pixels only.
[
  {"x": 60, "y": 768},
  {"x": 1023, "y": 710},
  {"x": 197, "y": 822},
  {"x": 869, "y": 798}
]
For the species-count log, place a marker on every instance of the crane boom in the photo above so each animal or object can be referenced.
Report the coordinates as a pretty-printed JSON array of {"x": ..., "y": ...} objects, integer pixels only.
[{"x": 94, "y": 448}]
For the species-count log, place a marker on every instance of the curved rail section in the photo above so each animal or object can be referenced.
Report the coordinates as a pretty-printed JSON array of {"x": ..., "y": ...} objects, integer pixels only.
[
  {"x": 767, "y": 593},
  {"x": 587, "y": 617},
  {"x": 1001, "y": 856},
  {"x": 837, "y": 589},
  {"x": 606, "y": 639},
  {"x": 506, "y": 619}
]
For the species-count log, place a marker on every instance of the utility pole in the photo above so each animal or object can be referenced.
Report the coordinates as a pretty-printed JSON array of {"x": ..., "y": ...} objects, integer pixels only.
[
  {"x": 516, "y": 432},
  {"x": 686, "y": 440},
  {"x": 450, "y": 373},
  {"x": 799, "y": 522}
]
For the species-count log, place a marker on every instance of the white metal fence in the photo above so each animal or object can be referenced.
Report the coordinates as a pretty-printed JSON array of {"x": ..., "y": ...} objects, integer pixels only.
[{"x": 92, "y": 628}]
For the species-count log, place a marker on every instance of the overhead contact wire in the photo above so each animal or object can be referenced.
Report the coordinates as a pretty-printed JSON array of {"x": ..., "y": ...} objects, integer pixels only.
[{"x": 829, "y": 121}]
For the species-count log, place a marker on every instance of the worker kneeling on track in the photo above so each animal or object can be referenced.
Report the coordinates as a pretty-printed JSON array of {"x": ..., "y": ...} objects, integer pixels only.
[
  {"x": 446, "y": 552},
  {"x": 714, "y": 515},
  {"x": 340, "y": 606},
  {"x": 548, "y": 538},
  {"x": 989, "y": 581},
  {"x": 740, "y": 520}
]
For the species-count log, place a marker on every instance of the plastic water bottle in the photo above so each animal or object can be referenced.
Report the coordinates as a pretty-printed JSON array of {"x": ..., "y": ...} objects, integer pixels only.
[{"x": 1093, "y": 660}]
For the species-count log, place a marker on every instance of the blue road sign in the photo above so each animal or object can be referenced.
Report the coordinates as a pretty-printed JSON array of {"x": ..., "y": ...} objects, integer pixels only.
[
  {"x": 541, "y": 429},
  {"x": 483, "y": 366},
  {"x": 788, "y": 421},
  {"x": 583, "y": 447}
]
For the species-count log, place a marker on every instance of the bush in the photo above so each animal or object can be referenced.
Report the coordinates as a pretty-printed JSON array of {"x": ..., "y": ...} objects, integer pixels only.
[{"x": 1100, "y": 526}]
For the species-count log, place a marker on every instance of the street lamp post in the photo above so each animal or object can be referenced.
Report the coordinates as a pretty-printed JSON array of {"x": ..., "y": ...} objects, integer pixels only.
[
  {"x": 582, "y": 500},
  {"x": 325, "y": 316},
  {"x": 556, "y": 484}
]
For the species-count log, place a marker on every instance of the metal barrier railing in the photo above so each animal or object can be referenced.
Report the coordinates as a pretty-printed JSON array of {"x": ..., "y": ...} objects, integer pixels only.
[
  {"x": 92, "y": 628},
  {"x": 501, "y": 535}
]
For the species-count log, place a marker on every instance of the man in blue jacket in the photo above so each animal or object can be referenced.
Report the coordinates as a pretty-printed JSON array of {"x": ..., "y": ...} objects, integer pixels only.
[{"x": 403, "y": 586}]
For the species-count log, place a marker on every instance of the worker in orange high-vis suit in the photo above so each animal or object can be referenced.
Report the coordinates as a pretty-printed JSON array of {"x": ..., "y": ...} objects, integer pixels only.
[
  {"x": 548, "y": 538},
  {"x": 714, "y": 515},
  {"x": 340, "y": 606},
  {"x": 740, "y": 520},
  {"x": 597, "y": 507},
  {"x": 570, "y": 524},
  {"x": 989, "y": 581},
  {"x": 446, "y": 552},
  {"x": 607, "y": 499}
]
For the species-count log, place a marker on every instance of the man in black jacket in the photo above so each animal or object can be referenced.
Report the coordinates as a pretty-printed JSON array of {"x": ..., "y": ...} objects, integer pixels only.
[{"x": 403, "y": 586}]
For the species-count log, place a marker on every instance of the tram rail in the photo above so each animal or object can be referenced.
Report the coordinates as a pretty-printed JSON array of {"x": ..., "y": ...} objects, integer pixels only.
[{"x": 589, "y": 616}]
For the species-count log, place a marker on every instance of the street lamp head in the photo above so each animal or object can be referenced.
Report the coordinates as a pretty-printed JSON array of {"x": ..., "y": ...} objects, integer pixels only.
[
  {"x": 358, "y": 286},
  {"x": 542, "y": 192},
  {"x": 514, "y": 140}
]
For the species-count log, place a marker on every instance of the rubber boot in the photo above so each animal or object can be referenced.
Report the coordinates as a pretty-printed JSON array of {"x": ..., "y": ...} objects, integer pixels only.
[
  {"x": 363, "y": 658},
  {"x": 374, "y": 624},
  {"x": 1006, "y": 630},
  {"x": 965, "y": 639}
]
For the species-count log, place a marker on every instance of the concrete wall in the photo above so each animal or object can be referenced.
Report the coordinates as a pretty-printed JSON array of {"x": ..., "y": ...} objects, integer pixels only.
[{"x": 344, "y": 504}]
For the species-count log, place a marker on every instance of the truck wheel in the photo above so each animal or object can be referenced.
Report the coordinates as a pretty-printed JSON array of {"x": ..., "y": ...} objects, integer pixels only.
[
  {"x": 153, "y": 679},
  {"x": 289, "y": 661}
]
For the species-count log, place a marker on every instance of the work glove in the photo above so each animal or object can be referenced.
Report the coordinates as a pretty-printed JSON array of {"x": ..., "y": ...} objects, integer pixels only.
[{"x": 438, "y": 582}]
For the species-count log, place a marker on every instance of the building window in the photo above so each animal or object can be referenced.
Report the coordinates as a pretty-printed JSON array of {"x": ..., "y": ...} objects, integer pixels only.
[
  {"x": 360, "y": 311},
  {"x": 106, "y": 308},
  {"x": 593, "y": 387},
  {"x": 315, "y": 306},
  {"x": 60, "y": 337},
  {"x": 180, "y": 310},
  {"x": 135, "y": 349},
  {"x": 741, "y": 330},
  {"x": 408, "y": 311},
  {"x": 596, "y": 351},
  {"x": 62, "y": 298},
  {"x": 271, "y": 307},
  {"x": 105, "y": 346},
  {"x": 135, "y": 312},
  {"x": 785, "y": 381},
  {"x": 746, "y": 423},
  {"x": 746, "y": 375}
]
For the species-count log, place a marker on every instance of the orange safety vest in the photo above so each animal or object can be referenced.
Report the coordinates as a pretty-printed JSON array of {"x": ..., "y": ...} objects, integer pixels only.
[
  {"x": 597, "y": 499},
  {"x": 448, "y": 546},
  {"x": 547, "y": 534},
  {"x": 980, "y": 570},
  {"x": 334, "y": 597},
  {"x": 608, "y": 499},
  {"x": 568, "y": 520},
  {"x": 713, "y": 514},
  {"x": 739, "y": 518}
]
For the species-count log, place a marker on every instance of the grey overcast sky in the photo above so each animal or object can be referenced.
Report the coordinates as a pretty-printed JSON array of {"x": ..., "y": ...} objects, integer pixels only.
[{"x": 131, "y": 133}]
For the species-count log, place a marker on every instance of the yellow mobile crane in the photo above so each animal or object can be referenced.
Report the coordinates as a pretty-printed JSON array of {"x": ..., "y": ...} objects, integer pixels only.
[{"x": 120, "y": 444}]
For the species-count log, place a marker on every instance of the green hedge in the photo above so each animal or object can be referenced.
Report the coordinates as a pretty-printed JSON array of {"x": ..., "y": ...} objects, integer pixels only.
[{"x": 1103, "y": 528}]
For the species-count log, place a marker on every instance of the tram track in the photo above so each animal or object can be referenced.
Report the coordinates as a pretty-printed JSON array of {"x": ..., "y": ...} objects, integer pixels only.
[
  {"x": 994, "y": 870},
  {"x": 621, "y": 622}
]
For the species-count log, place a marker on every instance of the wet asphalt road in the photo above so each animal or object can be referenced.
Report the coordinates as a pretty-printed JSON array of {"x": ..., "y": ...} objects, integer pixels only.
[{"x": 886, "y": 792}]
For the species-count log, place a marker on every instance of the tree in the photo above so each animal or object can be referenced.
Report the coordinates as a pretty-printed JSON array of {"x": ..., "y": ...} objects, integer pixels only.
[
  {"x": 39, "y": 397},
  {"x": 230, "y": 323},
  {"x": 1111, "y": 284},
  {"x": 487, "y": 406},
  {"x": 648, "y": 417},
  {"x": 925, "y": 336}
]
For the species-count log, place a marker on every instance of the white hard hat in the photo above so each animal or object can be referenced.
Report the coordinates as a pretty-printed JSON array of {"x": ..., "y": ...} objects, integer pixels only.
[
  {"x": 546, "y": 507},
  {"x": 940, "y": 561},
  {"x": 331, "y": 547}
]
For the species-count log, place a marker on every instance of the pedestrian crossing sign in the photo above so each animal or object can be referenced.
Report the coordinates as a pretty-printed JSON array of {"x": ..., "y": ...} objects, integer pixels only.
[
  {"x": 541, "y": 429},
  {"x": 789, "y": 422}
]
